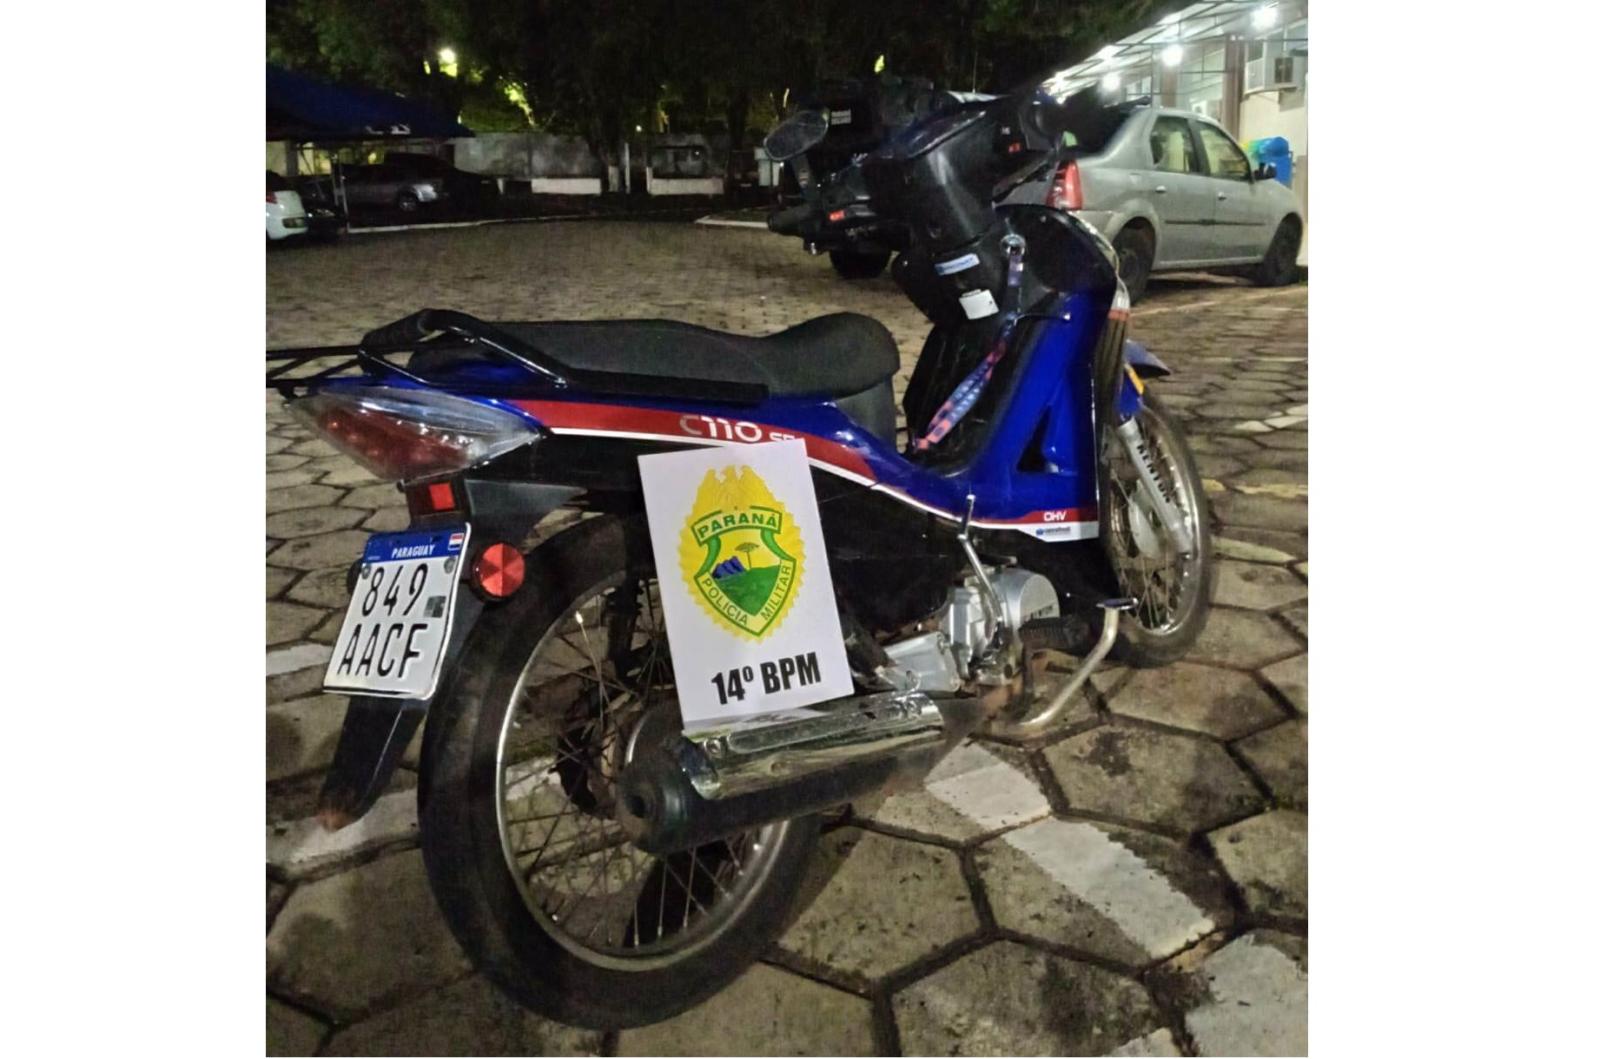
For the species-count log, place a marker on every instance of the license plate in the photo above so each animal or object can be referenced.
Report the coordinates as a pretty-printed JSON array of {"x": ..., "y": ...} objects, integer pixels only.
[{"x": 394, "y": 634}]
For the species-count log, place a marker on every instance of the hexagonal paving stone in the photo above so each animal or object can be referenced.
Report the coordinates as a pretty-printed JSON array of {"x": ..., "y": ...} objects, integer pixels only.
[
  {"x": 279, "y": 579},
  {"x": 388, "y": 520},
  {"x": 1255, "y": 1000},
  {"x": 284, "y": 461},
  {"x": 1178, "y": 782},
  {"x": 1289, "y": 677},
  {"x": 1264, "y": 512},
  {"x": 1119, "y": 894},
  {"x": 1242, "y": 638},
  {"x": 766, "y": 1011},
  {"x": 276, "y": 444},
  {"x": 323, "y": 588},
  {"x": 373, "y": 497},
  {"x": 1007, "y": 999},
  {"x": 1251, "y": 545},
  {"x": 973, "y": 791},
  {"x": 1299, "y": 618},
  {"x": 1278, "y": 756},
  {"x": 292, "y": 497},
  {"x": 302, "y": 734},
  {"x": 283, "y": 481},
  {"x": 1266, "y": 857},
  {"x": 885, "y": 902},
  {"x": 469, "y": 1017},
  {"x": 362, "y": 939},
  {"x": 310, "y": 521},
  {"x": 1286, "y": 439},
  {"x": 289, "y": 621},
  {"x": 1218, "y": 702},
  {"x": 291, "y": 1032},
  {"x": 351, "y": 473},
  {"x": 316, "y": 553},
  {"x": 1255, "y": 586}
]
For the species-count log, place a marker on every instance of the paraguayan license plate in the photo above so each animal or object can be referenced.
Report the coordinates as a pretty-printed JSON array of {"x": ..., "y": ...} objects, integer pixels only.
[{"x": 398, "y": 624}]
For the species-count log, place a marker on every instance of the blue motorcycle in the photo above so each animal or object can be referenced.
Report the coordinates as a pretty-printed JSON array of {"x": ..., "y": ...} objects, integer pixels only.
[{"x": 601, "y": 865}]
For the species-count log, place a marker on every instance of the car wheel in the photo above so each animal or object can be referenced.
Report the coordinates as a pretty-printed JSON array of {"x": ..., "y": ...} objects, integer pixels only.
[
  {"x": 1278, "y": 268},
  {"x": 1136, "y": 253},
  {"x": 407, "y": 202}
]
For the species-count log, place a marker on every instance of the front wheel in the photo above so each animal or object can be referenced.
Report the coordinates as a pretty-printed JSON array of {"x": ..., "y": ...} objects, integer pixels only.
[
  {"x": 1173, "y": 590},
  {"x": 519, "y": 805}
]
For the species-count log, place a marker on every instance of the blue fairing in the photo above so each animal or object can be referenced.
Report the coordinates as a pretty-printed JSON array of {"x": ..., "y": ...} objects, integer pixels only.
[{"x": 1035, "y": 472}]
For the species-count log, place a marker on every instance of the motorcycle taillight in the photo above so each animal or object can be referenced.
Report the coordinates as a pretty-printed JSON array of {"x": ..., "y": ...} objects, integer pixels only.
[
  {"x": 1066, "y": 190},
  {"x": 403, "y": 434}
]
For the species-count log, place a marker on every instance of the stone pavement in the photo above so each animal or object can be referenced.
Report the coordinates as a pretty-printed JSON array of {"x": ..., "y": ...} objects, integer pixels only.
[{"x": 1135, "y": 884}]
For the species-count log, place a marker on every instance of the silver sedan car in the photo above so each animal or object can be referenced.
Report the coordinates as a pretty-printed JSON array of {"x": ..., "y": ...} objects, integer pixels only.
[{"x": 1172, "y": 190}]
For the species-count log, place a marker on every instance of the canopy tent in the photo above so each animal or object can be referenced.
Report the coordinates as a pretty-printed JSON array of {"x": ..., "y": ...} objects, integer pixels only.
[{"x": 303, "y": 110}]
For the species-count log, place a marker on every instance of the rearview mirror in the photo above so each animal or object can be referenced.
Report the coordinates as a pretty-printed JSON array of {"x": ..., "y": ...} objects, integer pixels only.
[
  {"x": 1266, "y": 171},
  {"x": 796, "y": 135}
]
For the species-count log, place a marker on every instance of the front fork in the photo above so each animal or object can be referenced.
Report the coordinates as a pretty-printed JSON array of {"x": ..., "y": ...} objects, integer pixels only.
[{"x": 1157, "y": 492}]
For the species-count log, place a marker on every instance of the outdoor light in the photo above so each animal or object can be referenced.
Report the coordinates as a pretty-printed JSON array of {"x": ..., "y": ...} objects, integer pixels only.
[
  {"x": 1265, "y": 17},
  {"x": 1107, "y": 52},
  {"x": 1111, "y": 81},
  {"x": 447, "y": 56},
  {"x": 1172, "y": 55}
]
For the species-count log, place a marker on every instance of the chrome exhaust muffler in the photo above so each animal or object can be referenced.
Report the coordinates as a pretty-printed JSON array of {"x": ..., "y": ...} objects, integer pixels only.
[{"x": 680, "y": 791}]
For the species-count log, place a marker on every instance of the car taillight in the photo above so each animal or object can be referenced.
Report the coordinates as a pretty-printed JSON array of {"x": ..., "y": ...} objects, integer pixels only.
[
  {"x": 272, "y": 197},
  {"x": 1066, "y": 190},
  {"x": 403, "y": 434}
]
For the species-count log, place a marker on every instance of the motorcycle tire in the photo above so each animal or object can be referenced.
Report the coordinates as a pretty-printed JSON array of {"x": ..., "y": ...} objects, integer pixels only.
[
  {"x": 1161, "y": 628},
  {"x": 530, "y": 950}
]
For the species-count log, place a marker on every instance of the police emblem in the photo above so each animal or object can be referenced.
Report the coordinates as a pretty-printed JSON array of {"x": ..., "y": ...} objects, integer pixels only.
[{"x": 741, "y": 551}]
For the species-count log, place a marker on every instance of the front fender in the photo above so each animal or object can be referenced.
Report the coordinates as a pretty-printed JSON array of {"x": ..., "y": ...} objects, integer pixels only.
[{"x": 1141, "y": 360}]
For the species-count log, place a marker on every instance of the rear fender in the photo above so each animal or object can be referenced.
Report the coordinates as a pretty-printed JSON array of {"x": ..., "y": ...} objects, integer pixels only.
[{"x": 377, "y": 730}]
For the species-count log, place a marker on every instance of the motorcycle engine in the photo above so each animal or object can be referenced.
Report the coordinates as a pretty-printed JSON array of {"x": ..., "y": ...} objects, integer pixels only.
[{"x": 941, "y": 659}]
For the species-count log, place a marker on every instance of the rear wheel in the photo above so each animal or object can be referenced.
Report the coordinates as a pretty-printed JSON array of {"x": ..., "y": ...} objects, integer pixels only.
[
  {"x": 1278, "y": 268},
  {"x": 859, "y": 264},
  {"x": 519, "y": 804},
  {"x": 1136, "y": 255},
  {"x": 1173, "y": 590}
]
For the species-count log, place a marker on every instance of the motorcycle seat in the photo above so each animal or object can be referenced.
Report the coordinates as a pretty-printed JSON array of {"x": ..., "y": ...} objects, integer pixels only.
[{"x": 832, "y": 356}]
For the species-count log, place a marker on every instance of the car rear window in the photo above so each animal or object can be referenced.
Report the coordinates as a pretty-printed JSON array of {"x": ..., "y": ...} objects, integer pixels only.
[{"x": 276, "y": 182}]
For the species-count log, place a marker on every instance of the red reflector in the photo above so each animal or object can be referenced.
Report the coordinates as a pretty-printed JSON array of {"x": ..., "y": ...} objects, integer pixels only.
[
  {"x": 1013, "y": 148},
  {"x": 836, "y": 216},
  {"x": 431, "y": 499},
  {"x": 498, "y": 571},
  {"x": 1066, "y": 191}
]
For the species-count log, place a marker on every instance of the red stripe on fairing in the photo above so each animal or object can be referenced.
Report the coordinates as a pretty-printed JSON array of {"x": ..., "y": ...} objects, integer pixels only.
[
  {"x": 627, "y": 419},
  {"x": 624, "y": 420}
]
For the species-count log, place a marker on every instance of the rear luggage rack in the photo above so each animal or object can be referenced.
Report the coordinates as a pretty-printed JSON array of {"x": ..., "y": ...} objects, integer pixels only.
[{"x": 292, "y": 372}]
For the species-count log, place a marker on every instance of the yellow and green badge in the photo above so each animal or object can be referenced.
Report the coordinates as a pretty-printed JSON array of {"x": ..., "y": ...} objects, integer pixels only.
[{"x": 741, "y": 551}]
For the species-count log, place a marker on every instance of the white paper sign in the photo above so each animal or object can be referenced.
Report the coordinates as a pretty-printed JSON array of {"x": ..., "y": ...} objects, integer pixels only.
[{"x": 751, "y": 616}]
